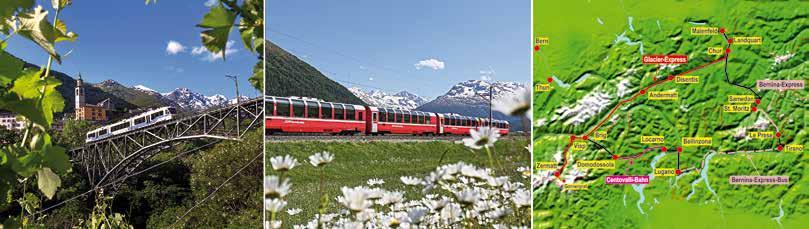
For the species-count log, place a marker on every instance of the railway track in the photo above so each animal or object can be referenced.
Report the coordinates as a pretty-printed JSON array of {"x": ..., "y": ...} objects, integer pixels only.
[{"x": 365, "y": 138}]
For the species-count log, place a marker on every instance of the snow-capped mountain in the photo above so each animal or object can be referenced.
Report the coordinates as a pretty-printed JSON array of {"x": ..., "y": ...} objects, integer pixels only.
[
  {"x": 188, "y": 99},
  {"x": 476, "y": 91},
  {"x": 144, "y": 88},
  {"x": 470, "y": 98},
  {"x": 401, "y": 100}
]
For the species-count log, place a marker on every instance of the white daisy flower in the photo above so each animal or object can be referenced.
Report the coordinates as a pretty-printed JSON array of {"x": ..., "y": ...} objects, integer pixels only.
[
  {"x": 451, "y": 213},
  {"x": 320, "y": 159},
  {"x": 481, "y": 137},
  {"x": 275, "y": 188},
  {"x": 283, "y": 163},
  {"x": 498, "y": 213},
  {"x": 375, "y": 181},
  {"x": 516, "y": 104},
  {"x": 390, "y": 198},
  {"x": 467, "y": 196},
  {"x": 522, "y": 198},
  {"x": 294, "y": 211},
  {"x": 415, "y": 215},
  {"x": 408, "y": 180},
  {"x": 274, "y": 205},
  {"x": 355, "y": 199},
  {"x": 273, "y": 224}
]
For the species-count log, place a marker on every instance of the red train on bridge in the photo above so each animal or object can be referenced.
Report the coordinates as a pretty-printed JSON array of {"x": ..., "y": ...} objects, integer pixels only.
[{"x": 303, "y": 115}]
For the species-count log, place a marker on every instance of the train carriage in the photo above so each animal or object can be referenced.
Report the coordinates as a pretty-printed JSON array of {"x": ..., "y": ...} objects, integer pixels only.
[
  {"x": 456, "y": 124},
  {"x": 399, "y": 121},
  {"x": 139, "y": 121},
  {"x": 301, "y": 115}
]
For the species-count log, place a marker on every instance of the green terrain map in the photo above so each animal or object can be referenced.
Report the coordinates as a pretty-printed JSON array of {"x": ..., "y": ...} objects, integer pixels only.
[{"x": 739, "y": 102}]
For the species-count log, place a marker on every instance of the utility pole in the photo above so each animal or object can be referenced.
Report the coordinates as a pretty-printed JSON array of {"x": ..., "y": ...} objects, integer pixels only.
[
  {"x": 236, "y": 81},
  {"x": 490, "y": 74}
]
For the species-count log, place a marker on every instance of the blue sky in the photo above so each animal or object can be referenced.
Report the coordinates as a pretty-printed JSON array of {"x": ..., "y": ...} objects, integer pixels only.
[
  {"x": 379, "y": 43},
  {"x": 126, "y": 41}
]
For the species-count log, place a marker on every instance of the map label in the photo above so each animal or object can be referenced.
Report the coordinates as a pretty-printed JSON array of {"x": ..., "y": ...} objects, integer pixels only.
[
  {"x": 542, "y": 41},
  {"x": 542, "y": 87},
  {"x": 716, "y": 51},
  {"x": 747, "y": 40},
  {"x": 686, "y": 79},
  {"x": 737, "y": 108},
  {"x": 600, "y": 135},
  {"x": 665, "y": 59},
  {"x": 741, "y": 99},
  {"x": 761, "y": 135},
  {"x": 697, "y": 141},
  {"x": 759, "y": 180},
  {"x": 545, "y": 165},
  {"x": 665, "y": 172},
  {"x": 703, "y": 30},
  {"x": 579, "y": 145},
  {"x": 576, "y": 187},
  {"x": 780, "y": 84},
  {"x": 651, "y": 139},
  {"x": 597, "y": 164},
  {"x": 793, "y": 148},
  {"x": 620, "y": 179},
  {"x": 663, "y": 95}
]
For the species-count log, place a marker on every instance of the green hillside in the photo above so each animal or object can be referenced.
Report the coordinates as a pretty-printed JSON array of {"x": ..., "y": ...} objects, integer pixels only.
[{"x": 286, "y": 75}]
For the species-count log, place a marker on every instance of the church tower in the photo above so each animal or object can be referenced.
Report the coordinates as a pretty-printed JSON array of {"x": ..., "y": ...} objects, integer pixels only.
[{"x": 79, "y": 96}]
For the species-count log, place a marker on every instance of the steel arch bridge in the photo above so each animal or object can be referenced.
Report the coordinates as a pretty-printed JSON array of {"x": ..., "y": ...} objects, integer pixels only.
[{"x": 108, "y": 160}]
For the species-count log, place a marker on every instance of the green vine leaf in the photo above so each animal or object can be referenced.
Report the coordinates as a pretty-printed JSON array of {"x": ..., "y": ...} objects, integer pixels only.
[
  {"x": 10, "y": 68},
  {"x": 48, "y": 182},
  {"x": 56, "y": 158},
  {"x": 27, "y": 90},
  {"x": 217, "y": 22},
  {"x": 35, "y": 27},
  {"x": 9, "y": 7}
]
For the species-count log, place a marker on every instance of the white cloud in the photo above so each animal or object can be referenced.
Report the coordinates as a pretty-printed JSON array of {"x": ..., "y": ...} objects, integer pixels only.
[
  {"x": 371, "y": 78},
  {"x": 211, "y": 57},
  {"x": 211, "y": 3},
  {"x": 174, "y": 47},
  {"x": 430, "y": 63}
]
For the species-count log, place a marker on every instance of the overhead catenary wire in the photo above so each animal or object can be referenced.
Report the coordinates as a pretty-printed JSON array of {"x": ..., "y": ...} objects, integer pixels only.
[{"x": 217, "y": 189}]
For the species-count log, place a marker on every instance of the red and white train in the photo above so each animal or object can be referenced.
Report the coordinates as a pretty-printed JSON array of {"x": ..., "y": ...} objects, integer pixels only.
[{"x": 304, "y": 115}]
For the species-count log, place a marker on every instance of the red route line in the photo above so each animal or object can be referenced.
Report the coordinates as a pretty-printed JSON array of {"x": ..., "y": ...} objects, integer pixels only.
[{"x": 636, "y": 95}]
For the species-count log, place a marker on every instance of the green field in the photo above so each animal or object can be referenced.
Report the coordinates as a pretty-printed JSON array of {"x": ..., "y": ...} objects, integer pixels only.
[
  {"x": 355, "y": 163},
  {"x": 593, "y": 60}
]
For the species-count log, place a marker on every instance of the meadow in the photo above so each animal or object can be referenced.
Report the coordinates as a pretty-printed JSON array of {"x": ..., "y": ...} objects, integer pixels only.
[{"x": 355, "y": 163}]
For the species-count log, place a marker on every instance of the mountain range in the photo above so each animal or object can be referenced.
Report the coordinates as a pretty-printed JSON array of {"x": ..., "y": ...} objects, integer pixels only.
[
  {"x": 401, "y": 100},
  {"x": 468, "y": 98}
]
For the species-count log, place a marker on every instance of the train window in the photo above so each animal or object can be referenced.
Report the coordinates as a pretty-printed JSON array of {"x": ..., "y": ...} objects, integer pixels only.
[
  {"x": 140, "y": 120},
  {"x": 427, "y": 118},
  {"x": 383, "y": 115},
  {"x": 154, "y": 116},
  {"x": 298, "y": 108},
  {"x": 269, "y": 107},
  {"x": 406, "y": 117},
  {"x": 120, "y": 127},
  {"x": 172, "y": 110},
  {"x": 395, "y": 116},
  {"x": 325, "y": 110},
  {"x": 420, "y": 119},
  {"x": 102, "y": 132},
  {"x": 361, "y": 115},
  {"x": 446, "y": 121},
  {"x": 282, "y": 108},
  {"x": 313, "y": 110},
  {"x": 351, "y": 115},
  {"x": 339, "y": 111}
]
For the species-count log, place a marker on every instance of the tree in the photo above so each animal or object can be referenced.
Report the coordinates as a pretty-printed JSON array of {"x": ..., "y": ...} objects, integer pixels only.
[
  {"x": 73, "y": 133},
  {"x": 8, "y": 137}
]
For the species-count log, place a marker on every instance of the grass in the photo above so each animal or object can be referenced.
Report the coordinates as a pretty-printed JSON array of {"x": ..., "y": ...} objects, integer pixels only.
[{"x": 355, "y": 163}]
